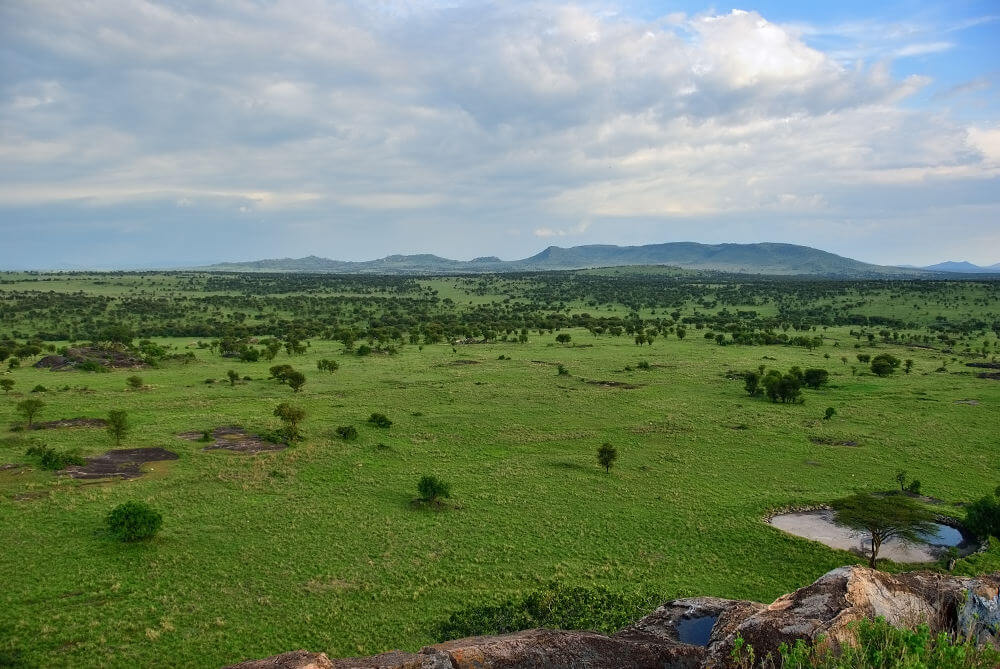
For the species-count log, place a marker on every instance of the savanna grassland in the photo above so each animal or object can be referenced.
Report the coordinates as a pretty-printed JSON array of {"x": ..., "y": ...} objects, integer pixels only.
[{"x": 320, "y": 546}]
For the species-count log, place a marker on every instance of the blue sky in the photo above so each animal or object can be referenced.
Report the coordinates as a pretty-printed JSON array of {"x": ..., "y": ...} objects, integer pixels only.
[{"x": 169, "y": 133}]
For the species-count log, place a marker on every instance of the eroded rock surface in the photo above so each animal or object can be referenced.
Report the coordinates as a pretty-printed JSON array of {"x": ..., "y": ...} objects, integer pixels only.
[{"x": 823, "y": 609}]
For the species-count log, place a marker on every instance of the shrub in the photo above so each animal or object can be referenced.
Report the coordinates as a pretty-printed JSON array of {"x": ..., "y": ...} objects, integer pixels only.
[
  {"x": 829, "y": 413},
  {"x": 325, "y": 365},
  {"x": 876, "y": 643},
  {"x": 39, "y": 389},
  {"x": 431, "y": 489},
  {"x": 133, "y": 521},
  {"x": 563, "y": 338},
  {"x": 134, "y": 382},
  {"x": 554, "y": 606},
  {"x": 53, "y": 460},
  {"x": 6, "y": 385},
  {"x": 561, "y": 370},
  {"x": 364, "y": 350},
  {"x": 347, "y": 432},
  {"x": 644, "y": 364},
  {"x": 914, "y": 487},
  {"x": 982, "y": 517},
  {"x": 379, "y": 420}
]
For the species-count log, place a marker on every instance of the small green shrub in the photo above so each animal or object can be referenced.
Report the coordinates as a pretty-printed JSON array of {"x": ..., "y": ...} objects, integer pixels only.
[
  {"x": 561, "y": 370},
  {"x": 431, "y": 489},
  {"x": 364, "y": 350},
  {"x": 554, "y": 606},
  {"x": 53, "y": 460},
  {"x": 829, "y": 413},
  {"x": 133, "y": 521},
  {"x": 379, "y": 420},
  {"x": 644, "y": 364},
  {"x": 347, "y": 432},
  {"x": 39, "y": 389}
]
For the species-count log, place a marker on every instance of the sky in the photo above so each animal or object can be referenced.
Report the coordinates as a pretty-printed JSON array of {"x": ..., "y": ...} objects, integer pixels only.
[{"x": 158, "y": 134}]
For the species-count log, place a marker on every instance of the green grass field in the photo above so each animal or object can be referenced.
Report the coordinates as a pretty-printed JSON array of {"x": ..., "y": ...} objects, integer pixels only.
[{"x": 318, "y": 546}]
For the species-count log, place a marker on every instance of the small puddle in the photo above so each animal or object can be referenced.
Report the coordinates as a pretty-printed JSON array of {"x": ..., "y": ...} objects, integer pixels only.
[
  {"x": 819, "y": 526},
  {"x": 695, "y": 631},
  {"x": 943, "y": 535}
]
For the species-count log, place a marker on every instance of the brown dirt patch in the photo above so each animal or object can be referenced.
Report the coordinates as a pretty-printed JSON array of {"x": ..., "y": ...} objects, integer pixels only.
[
  {"x": 121, "y": 463},
  {"x": 9, "y": 466},
  {"x": 828, "y": 441},
  {"x": 613, "y": 384},
  {"x": 70, "y": 422},
  {"x": 236, "y": 439}
]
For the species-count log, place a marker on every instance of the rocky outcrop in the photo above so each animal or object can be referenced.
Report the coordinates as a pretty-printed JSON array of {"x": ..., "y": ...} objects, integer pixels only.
[{"x": 820, "y": 612}]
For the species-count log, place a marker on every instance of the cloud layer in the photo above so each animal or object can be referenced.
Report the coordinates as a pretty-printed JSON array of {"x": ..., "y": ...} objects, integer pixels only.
[{"x": 358, "y": 129}]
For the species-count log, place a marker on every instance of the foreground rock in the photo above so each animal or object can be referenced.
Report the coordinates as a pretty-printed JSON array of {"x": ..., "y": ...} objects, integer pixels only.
[{"x": 967, "y": 606}]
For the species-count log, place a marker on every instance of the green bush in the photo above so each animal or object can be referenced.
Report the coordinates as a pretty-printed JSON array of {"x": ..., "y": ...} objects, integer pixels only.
[
  {"x": 91, "y": 366},
  {"x": 982, "y": 517},
  {"x": 554, "y": 606},
  {"x": 347, "y": 432},
  {"x": 133, "y": 521},
  {"x": 53, "y": 460},
  {"x": 431, "y": 488},
  {"x": 379, "y": 420}
]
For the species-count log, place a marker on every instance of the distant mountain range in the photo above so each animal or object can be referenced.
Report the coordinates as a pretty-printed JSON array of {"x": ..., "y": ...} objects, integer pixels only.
[
  {"x": 963, "y": 267},
  {"x": 763, "y": 258}
]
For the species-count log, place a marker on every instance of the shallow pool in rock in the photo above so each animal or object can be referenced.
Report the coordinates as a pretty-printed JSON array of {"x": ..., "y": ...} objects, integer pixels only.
[
  {"x": 818, "y": 525},
  {"x": 695, "y": 631}
]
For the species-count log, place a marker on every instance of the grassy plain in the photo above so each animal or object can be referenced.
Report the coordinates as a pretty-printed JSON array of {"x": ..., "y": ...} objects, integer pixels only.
[{"x": 318, "y": 546}]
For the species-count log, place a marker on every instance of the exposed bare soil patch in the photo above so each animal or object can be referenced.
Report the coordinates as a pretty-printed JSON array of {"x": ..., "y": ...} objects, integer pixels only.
[
  {"x": 613, "y": 384},
  {"x": 829, "y": 441},
  {"x": 234, "y": 438},
  {"x": 121, "y": 463}
]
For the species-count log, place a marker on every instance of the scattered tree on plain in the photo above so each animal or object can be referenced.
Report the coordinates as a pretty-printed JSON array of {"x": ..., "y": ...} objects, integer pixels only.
[
  {"x": 606, "y": 456},
  {"x": 118, "y": 425},
  {"x": 30, "y": 409},
  {"x": 432, "y": 489},
  {"x": 291, "y": 416},
  {"x": 295, "y": 380},
  {"x": 883, "y": 518}
]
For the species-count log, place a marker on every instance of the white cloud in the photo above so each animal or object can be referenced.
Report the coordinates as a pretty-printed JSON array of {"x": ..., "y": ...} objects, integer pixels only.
[
  {"x": 462, "y": 113},
  {"x": 923, "y": 49}
]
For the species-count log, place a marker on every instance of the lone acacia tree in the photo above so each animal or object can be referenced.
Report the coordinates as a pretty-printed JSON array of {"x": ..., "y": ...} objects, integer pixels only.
[
  {"x": 29, "y": 408},
  {"x": 606, "y": 456},
  {"x": 118, "y": 426},
  {"x": 883, "y": 518},
  {"x": 291, "y": 416}
]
